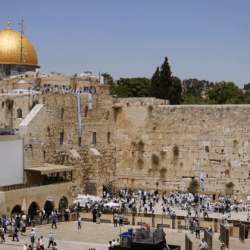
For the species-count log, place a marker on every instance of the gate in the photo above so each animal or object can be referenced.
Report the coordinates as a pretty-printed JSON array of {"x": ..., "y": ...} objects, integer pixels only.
[
  {"x": 224, "y": 235},
  {"x": 188, "y": 243},
  {"x": 242, "y": 232},
  {"x": 208, "y": 237}
]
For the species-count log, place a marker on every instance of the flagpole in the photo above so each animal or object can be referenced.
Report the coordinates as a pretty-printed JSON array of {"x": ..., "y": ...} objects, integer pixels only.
[{"x": 199, "y": 196}]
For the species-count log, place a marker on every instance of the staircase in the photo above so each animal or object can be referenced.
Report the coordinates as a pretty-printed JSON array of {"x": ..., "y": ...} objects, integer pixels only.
[{"x": 37, "y": 81}]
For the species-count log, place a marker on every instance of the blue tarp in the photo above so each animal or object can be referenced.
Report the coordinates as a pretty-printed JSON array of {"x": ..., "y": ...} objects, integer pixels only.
[{"x": 127, "y": 234}]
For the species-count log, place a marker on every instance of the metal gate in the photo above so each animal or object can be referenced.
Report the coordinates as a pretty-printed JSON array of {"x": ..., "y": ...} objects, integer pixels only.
[
  {"x": 224, "y": 235},
  {"x": 208, "y": 237},
  {"x": 242, "y": 232},
  {"x": 188, "y": 243}
]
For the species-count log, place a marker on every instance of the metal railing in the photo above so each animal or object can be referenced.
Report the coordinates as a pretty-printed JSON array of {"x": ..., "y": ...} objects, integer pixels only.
[
  {"x": 28, "y": 185},
  {"x": 224, "y": 235},
  {"x": 208, "y": 237},
  {"x": 241, "y": 232},
  {"x": 188, "y": 243}
]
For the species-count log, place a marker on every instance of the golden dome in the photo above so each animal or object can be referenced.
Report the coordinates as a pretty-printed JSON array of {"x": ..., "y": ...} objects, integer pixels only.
[{"x": 10, "y": 49}]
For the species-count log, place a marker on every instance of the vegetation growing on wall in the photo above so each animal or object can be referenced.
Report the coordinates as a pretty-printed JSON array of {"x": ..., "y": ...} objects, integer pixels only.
[
  {"x": 229, "y": 184},
  {"x": 34, "y": 104},
  {"x": 155, "y": 159},
  {"x": 193, "y": 184},
  {"x": 10, "y": 103}
]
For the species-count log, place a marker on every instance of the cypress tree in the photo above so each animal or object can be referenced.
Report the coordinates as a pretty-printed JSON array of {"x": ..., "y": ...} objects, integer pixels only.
[
  {"x": 154, "y": 81},
  {"x": 162, "y": 87},
  {"x": 175, "y": 91}
]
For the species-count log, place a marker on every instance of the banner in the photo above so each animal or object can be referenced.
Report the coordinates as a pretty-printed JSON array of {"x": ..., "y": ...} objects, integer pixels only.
[
  {"x": 90, "y": 101},
  {"x": 202, "y": 180},
  {"x": 79, "y": 114}
]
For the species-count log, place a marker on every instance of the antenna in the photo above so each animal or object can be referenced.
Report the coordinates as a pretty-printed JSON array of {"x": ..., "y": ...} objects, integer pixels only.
[
  {"x": 8, "y": 23},
  {"x": 22, "y": 29}
]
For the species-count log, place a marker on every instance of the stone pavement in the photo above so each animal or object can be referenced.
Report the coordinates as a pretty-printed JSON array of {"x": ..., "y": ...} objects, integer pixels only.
[{"x": 96, "y": 236}]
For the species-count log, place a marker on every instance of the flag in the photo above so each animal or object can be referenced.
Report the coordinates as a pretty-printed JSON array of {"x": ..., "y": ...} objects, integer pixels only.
[
  {"x": 79, "y": 114},
  {"x": 202, "y": 180}
]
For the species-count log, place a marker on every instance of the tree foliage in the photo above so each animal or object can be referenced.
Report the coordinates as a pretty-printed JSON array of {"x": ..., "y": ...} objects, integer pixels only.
[
  {"x": 132, "y": 87},
  {"x": 175, "y": 91},
  {"x": 162, "y": 81},
  {"x": 110, "y": 81},
  {"x": 222, "y": 93}
]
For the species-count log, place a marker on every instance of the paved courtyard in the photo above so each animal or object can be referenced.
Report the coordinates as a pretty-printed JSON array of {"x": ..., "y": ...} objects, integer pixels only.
[{"x": 96, "y": 236}]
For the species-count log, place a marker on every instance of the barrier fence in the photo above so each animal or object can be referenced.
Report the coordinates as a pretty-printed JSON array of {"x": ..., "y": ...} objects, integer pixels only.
[
  {"x": 208, "y": 237},
  {"x": 224, "y": 235},
  {"x": 188, "y": 243},
  {"x": 241, "y": 232}
]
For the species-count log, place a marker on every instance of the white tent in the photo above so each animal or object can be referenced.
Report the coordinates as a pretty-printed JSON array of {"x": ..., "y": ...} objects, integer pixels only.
[
  {"x": 111, "y": 204},
  {"x": 24, "y": 205},
  {"x": 22, "y": 81}
]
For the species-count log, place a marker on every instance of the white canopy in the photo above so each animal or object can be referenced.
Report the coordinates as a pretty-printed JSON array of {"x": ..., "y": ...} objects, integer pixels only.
[
  {"x": 24, "y": 205},
  {"x": 111, "y": 204},
  {"x": 22, "y": 81}
]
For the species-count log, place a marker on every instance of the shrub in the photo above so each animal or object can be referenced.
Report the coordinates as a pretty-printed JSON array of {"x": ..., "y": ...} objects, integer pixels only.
[
  {"x": 140, "y": 161},
  {"x": 176, "y": 150},
  {"x": 9, "y": 103},
  {"x": 163, "y": 152},
  {"x": 155, "y": 158},
  {"x": 150, "y": 169},
  {"x": 157, "y": 183},
  {"x": 133, "y": 179},
  {"x": 229, "y": 184},
  {"x": 193, "y": 184},
  {"x": 141, "y": 143},
  {"x": 163, "y": 170}
]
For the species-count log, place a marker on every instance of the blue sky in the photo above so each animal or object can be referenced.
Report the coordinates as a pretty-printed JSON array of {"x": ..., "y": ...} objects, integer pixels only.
[{"x": 202, "y": 39}]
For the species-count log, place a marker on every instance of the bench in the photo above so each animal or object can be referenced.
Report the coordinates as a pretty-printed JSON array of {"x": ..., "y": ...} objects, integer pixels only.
[
  {"x": 86, "y": 219},
  {"x": 105, "y": 221},
  {"x": 163, "y": 225}
]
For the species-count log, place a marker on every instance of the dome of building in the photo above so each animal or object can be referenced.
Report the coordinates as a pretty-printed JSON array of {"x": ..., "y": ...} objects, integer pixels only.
[{"x": 10, "y": 49}]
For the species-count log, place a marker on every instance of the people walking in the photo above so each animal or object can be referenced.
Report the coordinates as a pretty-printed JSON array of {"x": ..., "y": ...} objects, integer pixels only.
[
  {"x": 15, "y": 235},
  {"x": 115, "y": 219},
  {"x": 38, "y": 244},
  {"x": 79, "y": 222},
  {"x": 2, "y": 233},
  {"x": 41, "y": 243},
  {"x": 32, "y": 237},
  {"x": 51, "y": 239},
  {"x": 53, "y": 221}
]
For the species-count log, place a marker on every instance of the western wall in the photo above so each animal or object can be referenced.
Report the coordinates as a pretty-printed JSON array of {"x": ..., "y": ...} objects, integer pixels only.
[{"x": 129, "y": 131}]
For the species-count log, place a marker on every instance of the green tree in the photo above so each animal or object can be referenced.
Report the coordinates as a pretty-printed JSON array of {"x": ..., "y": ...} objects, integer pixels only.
[
  {"x": 175, "y": 91},
  {"x": 155, "y": 81},
  {"x": 163, "y": 86},
  {"x": 133, "y": 87},
  {"x": 226, "y": 93}
]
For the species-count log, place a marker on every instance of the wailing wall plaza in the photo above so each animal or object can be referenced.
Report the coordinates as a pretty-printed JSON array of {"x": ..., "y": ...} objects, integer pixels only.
[{"x": 131, "y": 142}]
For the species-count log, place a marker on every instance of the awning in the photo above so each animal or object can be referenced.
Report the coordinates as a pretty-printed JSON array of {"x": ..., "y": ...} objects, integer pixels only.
[{"x": 50, "y": 169}]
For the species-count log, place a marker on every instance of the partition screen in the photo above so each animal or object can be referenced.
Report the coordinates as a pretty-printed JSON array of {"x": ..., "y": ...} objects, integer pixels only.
[{"x": 11, "y": 162}]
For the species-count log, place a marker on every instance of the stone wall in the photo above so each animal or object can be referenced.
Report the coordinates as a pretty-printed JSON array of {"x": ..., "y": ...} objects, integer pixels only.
[{"x": 217, "y": 137}]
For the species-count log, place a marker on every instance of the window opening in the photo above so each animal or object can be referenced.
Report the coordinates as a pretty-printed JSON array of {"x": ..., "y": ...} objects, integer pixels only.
[
  {"x": 61, "y": 138},
  {"x": 108, "y": 137},
  {"x": 94, "y": 138}
]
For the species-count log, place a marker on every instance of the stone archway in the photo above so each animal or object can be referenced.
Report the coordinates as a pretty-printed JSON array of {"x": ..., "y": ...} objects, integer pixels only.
[
  {"x": 49, "y": 206},
  {"x": 63, "y": 203},
  {"x": 33, "y": 209},
  {"x": 16, "y": 209}
]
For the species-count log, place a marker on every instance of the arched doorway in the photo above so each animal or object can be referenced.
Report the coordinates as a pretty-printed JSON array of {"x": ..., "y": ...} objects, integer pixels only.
[
  {"x": 19, "y": 113},
  {"x": 33, "y": 209},
  {"x": 49, "y": 207},
  {"x": 63, "y": 203},
  {"x": 16, "y": 210}
]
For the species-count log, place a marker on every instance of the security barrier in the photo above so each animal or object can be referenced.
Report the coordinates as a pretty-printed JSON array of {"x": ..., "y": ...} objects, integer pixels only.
[
  {"x": 224, "y": 235},
  {"x": 188, "y": 243},
  {"x": 242, "y": 232},
  {"x": 208, "y": 237}
]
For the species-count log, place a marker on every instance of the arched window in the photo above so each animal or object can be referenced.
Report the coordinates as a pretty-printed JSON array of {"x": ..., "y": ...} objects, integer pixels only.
[
  {"x": 19, "y": 113},
  {"x": 107, "y": 115},
  {"x": 62, "y": 112},
  {"x": 86, "y": 111}
]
